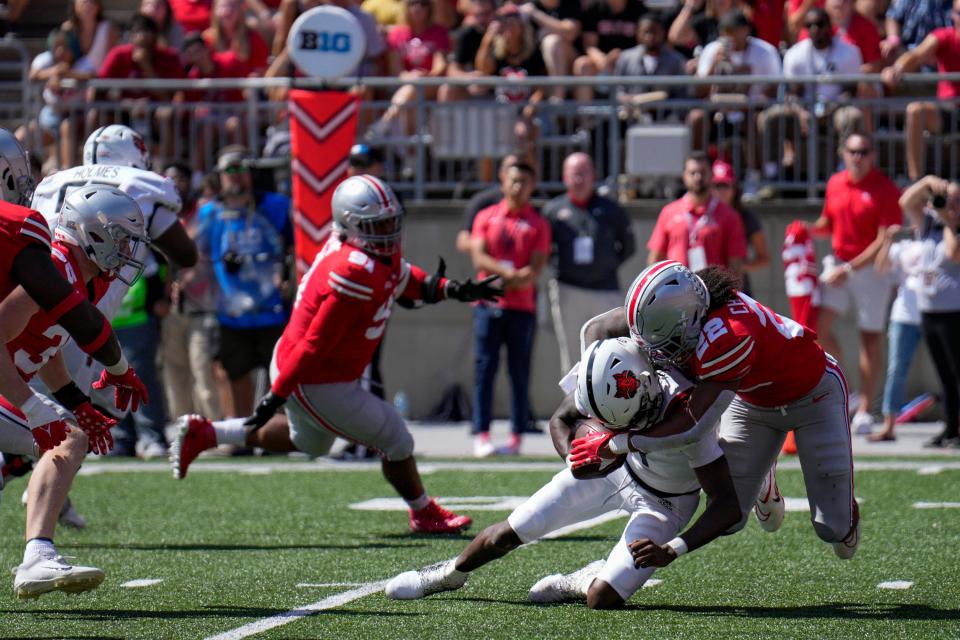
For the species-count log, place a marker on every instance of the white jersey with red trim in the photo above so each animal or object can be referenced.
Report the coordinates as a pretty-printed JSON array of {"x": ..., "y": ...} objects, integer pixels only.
[
  {"x": 155, "y": 194},
  {"x": 776, "y": 359},
  {"x": 671, "y": 470},
  {"x": 42, "y": 338}
]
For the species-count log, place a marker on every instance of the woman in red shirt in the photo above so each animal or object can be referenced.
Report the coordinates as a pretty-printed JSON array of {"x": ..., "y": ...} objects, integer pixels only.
[
  {"x": 418, "y": 47},
  {"x": 229, "y": 32}
]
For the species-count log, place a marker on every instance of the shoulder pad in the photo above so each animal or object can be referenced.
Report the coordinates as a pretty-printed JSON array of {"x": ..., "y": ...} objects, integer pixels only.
[{"x": 146, "y": 185}]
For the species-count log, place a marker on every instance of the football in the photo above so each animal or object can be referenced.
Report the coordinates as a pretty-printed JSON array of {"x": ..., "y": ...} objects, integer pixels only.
[{"x": 590, "y": 471}]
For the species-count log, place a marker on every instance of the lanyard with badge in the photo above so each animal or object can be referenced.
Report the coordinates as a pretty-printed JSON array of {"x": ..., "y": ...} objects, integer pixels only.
[
  {"x": 696, "y": 254},
  {"x": 583, "y": 243}
]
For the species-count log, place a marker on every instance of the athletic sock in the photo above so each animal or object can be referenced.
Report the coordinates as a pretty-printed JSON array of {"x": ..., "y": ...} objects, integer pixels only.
[
  {"x": 418, "y": 503},
  {"x": 230, "y": 431},
  {"x": 39, "y": 547}
]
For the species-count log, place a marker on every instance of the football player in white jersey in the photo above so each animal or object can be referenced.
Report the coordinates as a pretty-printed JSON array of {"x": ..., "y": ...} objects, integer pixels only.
[{"x": 617, "y": 386}]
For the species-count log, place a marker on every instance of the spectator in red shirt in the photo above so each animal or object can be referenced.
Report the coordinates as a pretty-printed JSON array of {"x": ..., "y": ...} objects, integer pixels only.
[
  {"x": 944, "y": 45},
  {"x": 859, "y": 205},
  {"x": 229, "y": 31},
  {"x": 510, "y": 239},
  {"x": 144, "y": 59},
  {"x": 192, "y": 15},
  {"x": 767, "y": 18},
  {"x": 418, "y": 48},
  {"x": 699, "y": 230},
  {"x": 209, "y": 123}
]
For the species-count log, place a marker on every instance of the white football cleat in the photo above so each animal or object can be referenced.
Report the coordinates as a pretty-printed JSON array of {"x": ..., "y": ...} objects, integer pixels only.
[
  {"x": 413, "y": 585},
  {"x": 571, "y": 587},
  {"x": 770, "y": 505},
  {"x": 70, "y": 517},
  {"x": 44, "y": 574},
  {"x": 846, "y": 548}
]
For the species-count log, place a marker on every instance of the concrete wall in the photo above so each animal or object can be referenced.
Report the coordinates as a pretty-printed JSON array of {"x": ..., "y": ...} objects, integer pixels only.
[{"x": 429, "y": 349}]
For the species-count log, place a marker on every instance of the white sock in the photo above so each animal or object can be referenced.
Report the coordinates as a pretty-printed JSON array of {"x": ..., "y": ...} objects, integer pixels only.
[
  {"x": 452, "y": 571},
  {"x": 39, "y": 548},
  {"x": 418, "y": 503},
  {"x": 230, "y": 431}
]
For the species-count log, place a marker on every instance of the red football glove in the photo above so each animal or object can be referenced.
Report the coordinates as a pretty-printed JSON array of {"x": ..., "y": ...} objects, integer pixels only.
[
  {"x": 96, "y": 426},
  {"x": 586, "y": 450},
  {"x": 49, "y": 435},
  {"x": 129, "y": 389}
]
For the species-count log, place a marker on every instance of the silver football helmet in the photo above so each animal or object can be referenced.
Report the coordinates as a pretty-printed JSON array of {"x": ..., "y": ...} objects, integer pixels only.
[
  {"x": 107, "y": 225},
  {"x": 617, "y": 384},
  {"x": 16, "y": 179},
  {"x": 368, "y": 214},
  {"x": 118, "y": 145},
  {"x": 666, "y": 307}
]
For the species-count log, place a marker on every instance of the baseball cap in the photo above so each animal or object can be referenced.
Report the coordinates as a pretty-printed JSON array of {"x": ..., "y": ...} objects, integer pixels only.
[
  {"x": 723, "y": 173},
  {"x": 733, "y": 20},
  {"x": 234, "y": 155}
]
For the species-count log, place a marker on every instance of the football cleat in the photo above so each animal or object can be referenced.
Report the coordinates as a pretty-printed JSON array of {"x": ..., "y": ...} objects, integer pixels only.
[
  {"x": 413, "y": 585},
  {"x": 848, "y": 546},
  {"x": 70, "y": 517},
  {"x": 770, "y": 505},
  {"x": 44, "y": 574},
  {"x": 571, "y": 587},
  {"x": 195, "y": 435},
  {"x": 435, "y": 519}
]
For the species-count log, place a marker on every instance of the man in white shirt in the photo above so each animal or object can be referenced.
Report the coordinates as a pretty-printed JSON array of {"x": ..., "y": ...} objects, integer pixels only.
[
  {"x": 823, "y": 53},
  {"x": 738, "y": 53}
]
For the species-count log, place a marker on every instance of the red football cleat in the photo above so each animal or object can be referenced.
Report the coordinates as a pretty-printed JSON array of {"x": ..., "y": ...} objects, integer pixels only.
[
  {"x": 195, "y": 435},
  {"x": 435, "y": 519}
]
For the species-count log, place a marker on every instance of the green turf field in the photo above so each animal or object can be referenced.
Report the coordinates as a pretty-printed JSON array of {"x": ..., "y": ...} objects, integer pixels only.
[{"x": 232, "y": 549}]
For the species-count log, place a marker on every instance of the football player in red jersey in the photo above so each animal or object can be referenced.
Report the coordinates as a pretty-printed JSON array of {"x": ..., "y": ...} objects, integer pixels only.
[
  {"x": 98, "y": 234},
  {"x": 341, "y": 309},
  {"x": 765, "y": 374},
  {"x": 25, "y": 260}
]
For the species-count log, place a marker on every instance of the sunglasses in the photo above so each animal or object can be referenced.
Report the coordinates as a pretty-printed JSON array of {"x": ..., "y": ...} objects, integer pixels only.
[
  {"x": 859, "y": 152},
  {"x": 235, "y": 169},
  {"x": 819, "y": 24}
]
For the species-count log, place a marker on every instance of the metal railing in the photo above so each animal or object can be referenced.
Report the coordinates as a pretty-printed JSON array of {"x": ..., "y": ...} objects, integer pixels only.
[{"x": 448, "y": 149}]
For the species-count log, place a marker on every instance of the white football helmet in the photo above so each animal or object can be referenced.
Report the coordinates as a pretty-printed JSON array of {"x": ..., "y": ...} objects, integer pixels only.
[
  {"x": 368, "y": 214},
  {"x": 666, "y": 307},
  {"x": 107, "y": 225},
  {"x": 16, "y": 179},
  {"x": 117, "y": 145},
  {"x": 617, "y": 384}
]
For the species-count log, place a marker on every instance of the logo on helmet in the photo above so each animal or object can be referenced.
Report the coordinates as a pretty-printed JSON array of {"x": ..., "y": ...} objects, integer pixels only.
[
  {"x": 627, "y": 384},
  {"x": 139, "y": 143}
]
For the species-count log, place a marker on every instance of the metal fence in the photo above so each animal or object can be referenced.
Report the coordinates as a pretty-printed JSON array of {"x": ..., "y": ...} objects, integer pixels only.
[{"x": 448, "y": 148}]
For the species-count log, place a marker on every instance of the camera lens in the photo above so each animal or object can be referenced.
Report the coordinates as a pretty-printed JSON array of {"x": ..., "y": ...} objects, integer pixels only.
[{"x": 938, "y": 201}]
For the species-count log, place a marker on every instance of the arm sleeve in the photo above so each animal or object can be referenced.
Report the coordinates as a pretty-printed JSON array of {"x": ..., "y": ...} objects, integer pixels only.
[
  {"x": 334, "y": 320},
  {"x": 727, "y": 358}
]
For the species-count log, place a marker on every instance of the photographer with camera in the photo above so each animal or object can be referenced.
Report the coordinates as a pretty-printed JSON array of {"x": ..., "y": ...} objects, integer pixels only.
[
  {"x": 933, "y": 206},
  {"x": 248, "y": 236}
]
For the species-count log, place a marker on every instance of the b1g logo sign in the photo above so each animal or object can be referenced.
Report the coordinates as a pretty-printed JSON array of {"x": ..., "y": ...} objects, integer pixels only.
[{"x": 326, "y": 42}]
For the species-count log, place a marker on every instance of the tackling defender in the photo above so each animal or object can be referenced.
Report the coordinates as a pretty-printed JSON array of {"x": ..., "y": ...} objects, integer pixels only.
[
  {"x": 341, "y": 309},
  {"x": 617, "y": 385},
  {"x": 25, "y": 260},
  {"x": 764, "y": 373},
  {"x": 96, "y": 238}
]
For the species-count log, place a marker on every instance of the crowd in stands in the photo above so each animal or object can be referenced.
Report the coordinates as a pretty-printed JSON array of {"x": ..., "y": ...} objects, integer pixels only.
[{"x": 409, "y": 39}]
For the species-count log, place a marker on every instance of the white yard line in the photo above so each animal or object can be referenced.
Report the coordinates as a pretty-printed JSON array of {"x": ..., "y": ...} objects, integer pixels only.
[
  {"x": 895, "y": 584},
  {"x": 936, "y": 505},
  {"x": 91, "y": 468},
  {"x": 369, "y": 588},
  {"x": 142, "y": 582},
  {"x": 322, "y": 585}
]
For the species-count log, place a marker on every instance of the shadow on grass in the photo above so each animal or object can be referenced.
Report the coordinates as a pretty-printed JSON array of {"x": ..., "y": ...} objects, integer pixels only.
[
  {"x": 62, "y": 638},
  {"x": 426, "y": 536},
  {"x": 827, "y": 610},
  {"x": 212, "y": 611},
  {"x": 203, "y": 546}
]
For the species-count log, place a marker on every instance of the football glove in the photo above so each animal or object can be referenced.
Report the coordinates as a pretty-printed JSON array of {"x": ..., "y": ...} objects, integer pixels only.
[
  {"x": 471, "y": 291},
  {"x": 130, "y": 390},
  {"x": 586, "y": 450},
  {"x": 265, "y": 410},
  {"x": 97, "y": 427},
  {"x": 46, "y": 421}
]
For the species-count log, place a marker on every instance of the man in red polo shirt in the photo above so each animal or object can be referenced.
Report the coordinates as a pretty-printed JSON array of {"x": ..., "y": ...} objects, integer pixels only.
[
  {"x": 944, "y": 46},
  {"x": 860, "y": 203},
  {"x": 699, "y": 230},
  {"x": 512, "y": 240}
]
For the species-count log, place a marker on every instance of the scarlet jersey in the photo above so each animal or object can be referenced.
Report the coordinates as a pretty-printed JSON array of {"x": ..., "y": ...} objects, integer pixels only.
[
  {"x": 42, "y": 338},
  {"x": 341, "y": 310},
  {"x": 777, "y": 360},
  {"x": 19, "y": 227}
]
